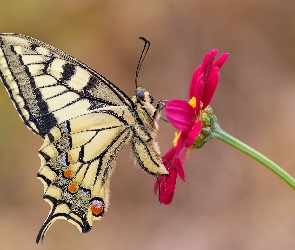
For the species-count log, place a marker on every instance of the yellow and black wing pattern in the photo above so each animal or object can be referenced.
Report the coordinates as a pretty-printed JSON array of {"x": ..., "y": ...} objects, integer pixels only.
[{"x": 85, "y": 121}]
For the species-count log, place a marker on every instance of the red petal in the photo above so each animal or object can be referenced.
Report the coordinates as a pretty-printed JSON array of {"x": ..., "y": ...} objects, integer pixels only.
[
  {"x": 208, "y": 59},
  {"x": 181, "y": 152},
  {"x": 194, "y": 80},
  {"x": 169, "y": 156},
  {"x": 180, "y": 140},
  {"x": 167, "y": 159},
  {"x": 174, "y": 159},
  {"x": 181, "y": 114},
  {"x": 199, "y": 93},
  {"x": 210, "y": 87},
  {"x": 221, "y": 60},
  {"x": 161, "y": 182},
  {"x": 179, "y": 168},
  {"x": 208, "y": 63},
  {"x": 167, "y": 186},
  {"x": 193, "y": 134}
]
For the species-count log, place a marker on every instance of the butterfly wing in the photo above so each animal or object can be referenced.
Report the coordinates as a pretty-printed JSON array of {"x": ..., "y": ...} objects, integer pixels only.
[
  {"x": 77, "y": 157},
  {"x": 48, "y": 86},
  {"x": 85, "y": 121}
]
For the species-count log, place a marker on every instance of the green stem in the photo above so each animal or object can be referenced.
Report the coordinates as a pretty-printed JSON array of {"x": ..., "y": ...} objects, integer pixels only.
[{"x": 225, "y": 137}]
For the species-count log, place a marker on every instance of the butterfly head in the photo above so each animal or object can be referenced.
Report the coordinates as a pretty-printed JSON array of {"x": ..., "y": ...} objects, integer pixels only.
[{"x": 143, "y": 96}]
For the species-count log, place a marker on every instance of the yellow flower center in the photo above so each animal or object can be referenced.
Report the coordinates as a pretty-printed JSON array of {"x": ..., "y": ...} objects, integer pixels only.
[
  {"x": 193, "y": 102},
  {"x": 175, "y": 141}
]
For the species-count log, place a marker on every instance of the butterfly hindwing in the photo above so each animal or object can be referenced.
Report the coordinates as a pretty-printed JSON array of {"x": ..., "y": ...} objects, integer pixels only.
[
  {"x": 77, "y": 157},
  {"x": 85, "y": 121}
]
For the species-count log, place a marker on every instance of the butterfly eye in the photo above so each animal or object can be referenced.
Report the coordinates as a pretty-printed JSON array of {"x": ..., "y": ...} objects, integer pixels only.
[{"x": 140, "y": 94}]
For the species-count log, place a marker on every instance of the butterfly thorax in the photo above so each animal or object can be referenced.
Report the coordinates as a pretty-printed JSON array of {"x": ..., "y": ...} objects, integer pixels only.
[
  {"x": 146, "y": 112},
  {"x": 144, "y": 147}
]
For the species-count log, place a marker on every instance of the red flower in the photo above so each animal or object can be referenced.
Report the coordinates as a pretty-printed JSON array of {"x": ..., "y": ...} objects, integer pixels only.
[{"x": 185, "y": 116}]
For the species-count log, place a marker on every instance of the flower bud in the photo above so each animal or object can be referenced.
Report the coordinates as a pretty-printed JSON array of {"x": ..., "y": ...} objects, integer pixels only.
[{"x": 209, "y": 123}]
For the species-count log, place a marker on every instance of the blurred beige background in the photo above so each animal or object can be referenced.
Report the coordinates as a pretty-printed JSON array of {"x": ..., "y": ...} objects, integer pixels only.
[{"x": 229, "y": 201}]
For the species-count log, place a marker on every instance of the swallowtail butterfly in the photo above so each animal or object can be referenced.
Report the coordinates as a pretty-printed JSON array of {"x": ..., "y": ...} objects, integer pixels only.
[{"x": 85, "y": 121}]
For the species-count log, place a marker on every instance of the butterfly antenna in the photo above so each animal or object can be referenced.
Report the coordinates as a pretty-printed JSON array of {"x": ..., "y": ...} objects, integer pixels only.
[
  {"x": 165, "y": 120},
  {"x": 142, "y": 57}
]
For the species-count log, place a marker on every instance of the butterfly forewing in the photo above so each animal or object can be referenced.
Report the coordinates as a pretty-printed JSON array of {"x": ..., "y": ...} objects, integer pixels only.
[
  {"x": 48, "y": 86},
  {"x": 85, "y": 121}
]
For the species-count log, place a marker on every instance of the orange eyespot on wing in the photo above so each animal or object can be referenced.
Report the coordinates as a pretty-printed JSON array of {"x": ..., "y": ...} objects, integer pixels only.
[
  {"x": 97, "y": 207},
  {"x": 73, "y": 188},
  {"x": 68, "y": 173}
]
